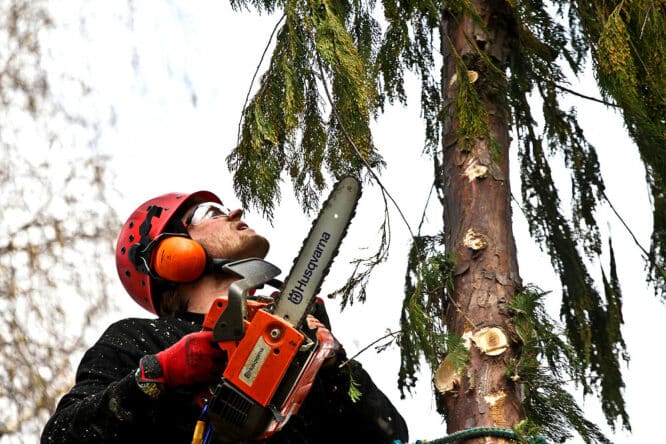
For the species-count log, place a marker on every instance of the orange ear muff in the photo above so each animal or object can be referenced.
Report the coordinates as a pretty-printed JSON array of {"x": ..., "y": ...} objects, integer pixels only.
[{"x": 179, "y": 259}]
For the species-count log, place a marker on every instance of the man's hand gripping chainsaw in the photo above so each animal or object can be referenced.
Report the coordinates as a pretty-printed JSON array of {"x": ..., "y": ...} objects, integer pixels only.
[{"x": 273, "y": 357}]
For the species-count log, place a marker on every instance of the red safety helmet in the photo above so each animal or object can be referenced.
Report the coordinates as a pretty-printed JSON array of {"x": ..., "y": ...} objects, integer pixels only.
[{"x": 149, "y": 221}]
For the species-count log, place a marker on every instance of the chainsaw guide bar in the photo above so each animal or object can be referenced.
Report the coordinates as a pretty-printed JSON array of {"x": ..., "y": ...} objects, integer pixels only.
[{"x": 319, "y": 248}]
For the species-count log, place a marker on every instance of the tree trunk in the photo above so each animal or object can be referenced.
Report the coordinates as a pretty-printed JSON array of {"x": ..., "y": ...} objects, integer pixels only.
[{"x": 477, "y": 218}]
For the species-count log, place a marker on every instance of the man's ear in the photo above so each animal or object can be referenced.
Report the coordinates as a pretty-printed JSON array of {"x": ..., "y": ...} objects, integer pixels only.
[{"x": 179, "y": 259}]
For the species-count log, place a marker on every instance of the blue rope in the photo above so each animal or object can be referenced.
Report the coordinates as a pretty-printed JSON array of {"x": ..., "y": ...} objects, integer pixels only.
[
  {"x": 208, "y": 434},
  {"x": 478, "y": 432}
]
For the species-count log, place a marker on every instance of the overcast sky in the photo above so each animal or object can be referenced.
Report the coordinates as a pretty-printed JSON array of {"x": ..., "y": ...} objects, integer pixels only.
[{"x": 177, "y": 77}]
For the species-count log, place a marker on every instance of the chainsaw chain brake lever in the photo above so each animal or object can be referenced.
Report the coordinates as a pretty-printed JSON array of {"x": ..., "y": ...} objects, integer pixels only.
[{"x": 254, "y": 273}]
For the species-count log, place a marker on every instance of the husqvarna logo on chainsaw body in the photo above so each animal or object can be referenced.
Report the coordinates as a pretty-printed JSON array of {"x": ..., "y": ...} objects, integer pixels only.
[
  {"x": 295, "y": 296},
  {"x": 254, "y": 362}
]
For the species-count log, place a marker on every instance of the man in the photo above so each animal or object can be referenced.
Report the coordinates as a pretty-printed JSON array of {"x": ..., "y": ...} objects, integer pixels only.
[{"x": 139, "y": 382}]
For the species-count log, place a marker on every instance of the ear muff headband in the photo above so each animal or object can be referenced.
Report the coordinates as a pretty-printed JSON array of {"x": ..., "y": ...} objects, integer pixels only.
[{"x": 139, "y": 253}]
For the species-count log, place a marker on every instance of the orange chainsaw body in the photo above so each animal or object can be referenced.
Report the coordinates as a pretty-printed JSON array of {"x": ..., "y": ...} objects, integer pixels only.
[{"x": 269, "y": 372}]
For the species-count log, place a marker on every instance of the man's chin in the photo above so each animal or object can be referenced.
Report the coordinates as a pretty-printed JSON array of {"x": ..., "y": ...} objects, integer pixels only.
[{"x": 258, "y": 247}]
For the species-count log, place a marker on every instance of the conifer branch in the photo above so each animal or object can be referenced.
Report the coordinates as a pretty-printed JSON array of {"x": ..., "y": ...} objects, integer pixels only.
[
  {"x": 631, "y": 233},
  {"x": 390, "y": 333},
  {"x": 425, "y": 208},
  {"x": 254, "y": 77},
  {"x": 583, "y": 96}
]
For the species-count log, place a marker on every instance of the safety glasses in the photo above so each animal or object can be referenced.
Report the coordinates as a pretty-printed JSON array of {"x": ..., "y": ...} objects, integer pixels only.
[{"x": 205, "y": 211}]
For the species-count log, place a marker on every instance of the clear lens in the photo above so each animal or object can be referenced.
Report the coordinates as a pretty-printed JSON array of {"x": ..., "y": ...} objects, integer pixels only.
[{"x": 204, "y": 211}]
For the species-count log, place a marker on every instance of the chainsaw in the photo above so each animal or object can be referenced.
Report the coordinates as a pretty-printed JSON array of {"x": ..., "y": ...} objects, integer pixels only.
[{"x": 273, "y": 357}]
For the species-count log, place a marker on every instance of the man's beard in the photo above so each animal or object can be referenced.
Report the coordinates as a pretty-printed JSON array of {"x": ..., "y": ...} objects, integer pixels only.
[
  {"x": 258, "y": 247},
  {"x": 245, "y": 247}
]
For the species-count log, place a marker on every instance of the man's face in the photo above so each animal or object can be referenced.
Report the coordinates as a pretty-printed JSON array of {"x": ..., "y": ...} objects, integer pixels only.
[{"x": 227, "y": 236}]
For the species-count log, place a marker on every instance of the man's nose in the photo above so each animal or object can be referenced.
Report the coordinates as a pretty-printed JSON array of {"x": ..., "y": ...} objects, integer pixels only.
[{"x": 235, "y": 214}]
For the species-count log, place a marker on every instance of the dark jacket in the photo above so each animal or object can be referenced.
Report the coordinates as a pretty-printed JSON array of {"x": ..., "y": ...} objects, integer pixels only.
[{"x": 106, "y": 405}]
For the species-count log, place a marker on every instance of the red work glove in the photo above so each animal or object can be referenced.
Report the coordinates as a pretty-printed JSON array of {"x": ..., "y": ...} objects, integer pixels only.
[{"x": 195, "y": 358}]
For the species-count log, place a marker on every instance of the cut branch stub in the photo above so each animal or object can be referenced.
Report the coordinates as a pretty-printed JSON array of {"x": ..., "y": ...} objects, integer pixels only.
[
  {"x": 467, "y": 339},
  {"x": 496, "y": 401},
  {"x": 475, "y": 241},
  {"x": 446, "y": 379},
  {"x": 475, "y": 170},
  {"x": 473, "y": 76},
  {"x": 491, "y": 341}
]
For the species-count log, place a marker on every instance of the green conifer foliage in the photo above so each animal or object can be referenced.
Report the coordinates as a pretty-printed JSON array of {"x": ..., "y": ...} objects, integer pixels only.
[
  {"x": 285, "y": 127},
  {"x": 336, "y": 64},
  {"x": 628, "y": 45}
]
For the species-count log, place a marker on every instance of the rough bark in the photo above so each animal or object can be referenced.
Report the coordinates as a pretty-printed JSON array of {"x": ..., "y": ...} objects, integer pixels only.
[{"x": 477, "y": 217}]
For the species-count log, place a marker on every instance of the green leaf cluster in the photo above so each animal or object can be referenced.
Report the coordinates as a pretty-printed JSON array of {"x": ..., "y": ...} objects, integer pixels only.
[
  {"x": 549, "y": 408},
  {"x": 628, "y": 41},
  {"x": 470, "y": 112},
  {"x": 287, "y": 127},
  {"x": 408, "y": 44},
  {"x": 354, "y": 389},
  {"x": 592, "y": 322},
  {"x": 428, "y": 283}
]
